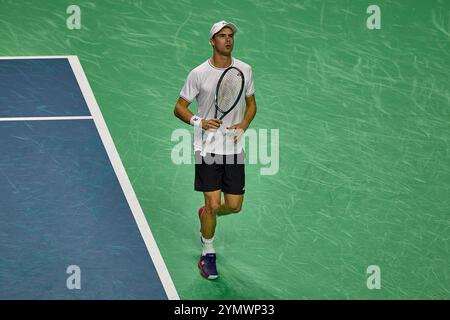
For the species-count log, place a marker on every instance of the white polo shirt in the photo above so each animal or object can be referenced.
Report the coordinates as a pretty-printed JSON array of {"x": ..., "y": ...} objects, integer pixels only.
[{"x": 201, "y": 85}]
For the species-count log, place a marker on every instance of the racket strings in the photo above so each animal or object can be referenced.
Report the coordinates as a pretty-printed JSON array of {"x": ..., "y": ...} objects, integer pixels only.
[{"x": 229, "y": 90}]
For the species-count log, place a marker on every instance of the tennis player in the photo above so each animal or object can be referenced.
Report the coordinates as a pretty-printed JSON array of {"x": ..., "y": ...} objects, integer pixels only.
[{"x": 221, "y": 170}]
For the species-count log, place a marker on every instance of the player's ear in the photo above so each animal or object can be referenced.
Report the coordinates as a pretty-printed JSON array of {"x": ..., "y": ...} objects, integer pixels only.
[{"x": 211, "y": 42}]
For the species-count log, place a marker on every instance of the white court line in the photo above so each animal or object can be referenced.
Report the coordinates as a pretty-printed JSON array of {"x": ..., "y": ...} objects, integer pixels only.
[
  {"x": 45, "y": 118},
  {"x": 125, "y": 183}
]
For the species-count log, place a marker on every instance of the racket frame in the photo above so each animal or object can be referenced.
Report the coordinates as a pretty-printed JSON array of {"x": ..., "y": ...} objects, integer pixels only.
[{"x": 217, "y": 92}]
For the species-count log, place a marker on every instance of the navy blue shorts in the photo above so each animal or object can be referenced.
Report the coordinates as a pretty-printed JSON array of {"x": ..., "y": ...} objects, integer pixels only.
[{"x": 220, "y": 172}]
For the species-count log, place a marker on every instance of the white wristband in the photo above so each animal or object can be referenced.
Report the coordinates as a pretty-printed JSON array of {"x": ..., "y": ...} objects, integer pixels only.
[{"x": 196, "y": 121}]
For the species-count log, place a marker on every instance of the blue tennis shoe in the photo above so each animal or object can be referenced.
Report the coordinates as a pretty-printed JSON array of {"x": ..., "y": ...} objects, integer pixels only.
[{"x": 207, "y": 266}]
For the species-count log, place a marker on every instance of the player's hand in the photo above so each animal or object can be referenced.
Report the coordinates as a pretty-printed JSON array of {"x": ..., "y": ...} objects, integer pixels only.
[
  {"x": 211, "y": 124},
  {"x": 239, "y": 130}
]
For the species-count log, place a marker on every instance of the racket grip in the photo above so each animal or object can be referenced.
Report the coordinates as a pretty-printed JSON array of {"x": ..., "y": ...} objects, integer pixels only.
[{"x": 207, "y": 142}]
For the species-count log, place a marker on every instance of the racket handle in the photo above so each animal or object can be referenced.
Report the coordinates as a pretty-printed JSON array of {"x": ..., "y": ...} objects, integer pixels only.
[{"x": 207, "y": 142}]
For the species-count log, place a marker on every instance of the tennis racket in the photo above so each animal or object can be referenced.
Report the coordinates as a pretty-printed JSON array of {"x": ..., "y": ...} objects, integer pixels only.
[{"x": 228, "y": 93}]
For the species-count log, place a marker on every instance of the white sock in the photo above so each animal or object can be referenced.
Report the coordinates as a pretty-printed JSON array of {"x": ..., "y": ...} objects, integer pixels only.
[{"x": 207, "y": 245}]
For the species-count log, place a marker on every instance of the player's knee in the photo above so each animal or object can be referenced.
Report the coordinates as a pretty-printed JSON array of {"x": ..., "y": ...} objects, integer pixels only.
[
  {"x": 235, "y": 208},
  {"x": 212, "y": 207}
]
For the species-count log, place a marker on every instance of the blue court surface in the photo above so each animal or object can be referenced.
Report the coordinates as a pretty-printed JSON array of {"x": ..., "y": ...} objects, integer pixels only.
[{"x": 65, "y": 199}]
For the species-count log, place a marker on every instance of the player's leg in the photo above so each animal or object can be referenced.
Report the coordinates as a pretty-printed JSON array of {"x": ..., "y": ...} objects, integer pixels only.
[
  {"x": 208, "y": 178},
  {"x": 209, "y": 216},
  {"x": 232, "y": 204},
  {"x": 233, "y": 185}
]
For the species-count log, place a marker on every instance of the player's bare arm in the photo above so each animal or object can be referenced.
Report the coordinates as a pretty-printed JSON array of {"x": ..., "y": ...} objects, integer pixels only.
[{"x": 183, "y": 113}]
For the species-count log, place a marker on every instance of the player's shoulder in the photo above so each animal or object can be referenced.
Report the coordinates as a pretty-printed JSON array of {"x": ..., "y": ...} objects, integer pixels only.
[
  {"x": 200, "y": 68},
  {"x": 241, "y": 64}
]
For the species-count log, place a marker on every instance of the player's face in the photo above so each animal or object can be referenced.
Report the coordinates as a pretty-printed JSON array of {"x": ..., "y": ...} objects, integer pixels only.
[{"x": 223, "y": 41}]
